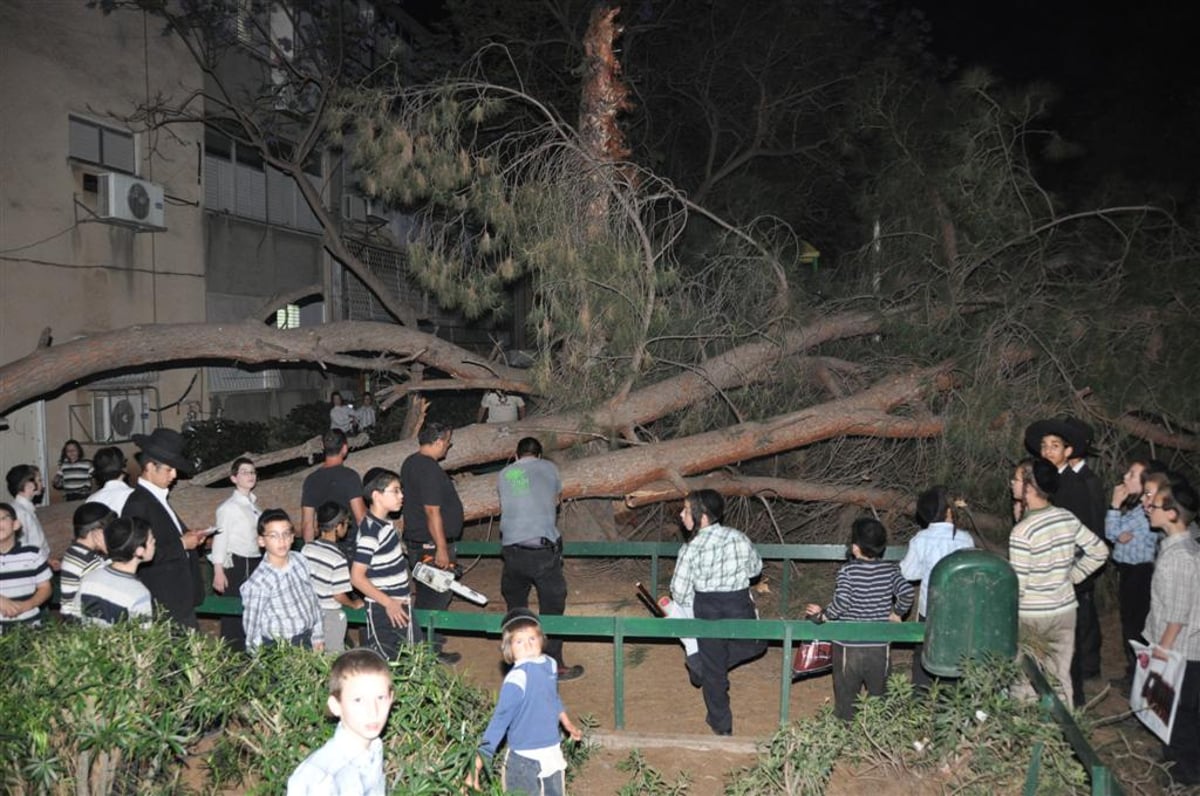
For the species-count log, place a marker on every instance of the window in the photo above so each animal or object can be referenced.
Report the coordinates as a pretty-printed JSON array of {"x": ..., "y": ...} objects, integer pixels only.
[
  {"x": 105, "y": 146},
  {"x": 288, "y": 317}
]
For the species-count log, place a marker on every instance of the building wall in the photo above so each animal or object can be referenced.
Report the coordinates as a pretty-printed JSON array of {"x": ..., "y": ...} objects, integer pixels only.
[{"x": 59, "y": 266}]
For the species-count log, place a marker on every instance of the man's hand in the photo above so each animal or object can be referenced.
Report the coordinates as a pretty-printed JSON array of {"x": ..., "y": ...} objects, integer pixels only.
[
  {"x": 219, "y": 581},
  {"x": 441, "y": 557},
  {"x": 895, "y": 617},
  {"x": 318, "y": 646},
  {"x": 1119, "y": 494},
  {"x": 812, "y": 609},
  {"x": 397, "y": 611},
  {"x": 1125, "y": 538},
  {"x": 472, "y": 780},
  {"x": 193, "y": 539}
]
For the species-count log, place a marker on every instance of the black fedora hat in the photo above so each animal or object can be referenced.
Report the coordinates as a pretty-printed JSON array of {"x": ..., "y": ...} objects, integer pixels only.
[
  {"x": 1074, "y": 433},
  {"x": 164, "y": 445}
]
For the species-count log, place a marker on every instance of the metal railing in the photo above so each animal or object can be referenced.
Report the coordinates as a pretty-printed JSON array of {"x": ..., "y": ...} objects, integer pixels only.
[{"x": 788, "y": 632}]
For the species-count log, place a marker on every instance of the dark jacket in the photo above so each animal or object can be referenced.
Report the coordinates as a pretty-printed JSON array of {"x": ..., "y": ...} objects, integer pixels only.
[{"x": 173, "y": 575}]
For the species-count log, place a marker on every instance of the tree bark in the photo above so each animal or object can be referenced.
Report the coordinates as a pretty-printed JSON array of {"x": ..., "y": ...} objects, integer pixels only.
[{"x": 341, "y": 344}]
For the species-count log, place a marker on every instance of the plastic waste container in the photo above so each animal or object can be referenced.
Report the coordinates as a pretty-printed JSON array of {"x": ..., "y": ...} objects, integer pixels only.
[{"x": 972, "y": 611}]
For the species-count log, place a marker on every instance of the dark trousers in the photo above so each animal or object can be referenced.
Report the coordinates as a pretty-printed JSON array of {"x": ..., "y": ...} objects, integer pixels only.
[
  {"x": 232, "y": 629},
  {"x": 423, "y": 596},
  {"x": 538, "y": 568},
  {"x": 1085, "y": 662},
  {"x": 383, "y": 637},
  {"x": 853, "y": 669},
  {"x": 299, "y": 640},
  {"x": 718, "y": 655},
  {"x": 1184, "y": 748},
  {"x": 1133, "y": 593}
]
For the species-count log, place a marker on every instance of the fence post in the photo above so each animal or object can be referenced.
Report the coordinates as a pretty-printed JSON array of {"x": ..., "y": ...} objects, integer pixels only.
[
  {"x": 785, "y": 680},
  {"x": 619, "y": 673}
]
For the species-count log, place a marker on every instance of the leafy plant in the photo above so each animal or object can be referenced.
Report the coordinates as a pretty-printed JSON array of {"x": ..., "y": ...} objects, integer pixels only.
[
  {"x": 970, "y": 734},
  {"x": 647, "y": 781},
  {"x": 112, "y": 709}
]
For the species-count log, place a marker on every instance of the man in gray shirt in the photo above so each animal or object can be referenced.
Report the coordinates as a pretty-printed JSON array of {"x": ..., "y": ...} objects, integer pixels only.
[{"x": 530, "y": 490}]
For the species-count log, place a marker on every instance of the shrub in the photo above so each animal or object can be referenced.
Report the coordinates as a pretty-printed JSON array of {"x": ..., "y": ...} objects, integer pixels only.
[
  {"x": 116, "y": 708},
  {"x": 971, "y": 735}
]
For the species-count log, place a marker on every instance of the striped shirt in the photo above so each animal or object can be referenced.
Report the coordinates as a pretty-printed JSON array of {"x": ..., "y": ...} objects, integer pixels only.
[
  {"x": 379, "y": 547},
  {"x": 1175, "y": 594},
  {"x": 22, "y": 569},
  {"x": 1142, "y": 548},
  {"x": 74, "y": 478},
  {"x": 1042, "y": 551},
  {"x": 279, "y": 603},
  {"x": 77, "y": 562},
  {"x": 108, "y": 596},
  {"x": 718, "y": 559},
  {"x": 329, "y": 571},
  {"x": 869, "y": 590}
]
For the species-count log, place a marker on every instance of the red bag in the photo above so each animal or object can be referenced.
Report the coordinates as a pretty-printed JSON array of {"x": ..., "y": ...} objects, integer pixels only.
[{"x": 812, "y": 657}]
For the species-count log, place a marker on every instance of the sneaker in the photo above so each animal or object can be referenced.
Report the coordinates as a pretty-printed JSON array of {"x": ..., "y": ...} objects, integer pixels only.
[
  {"x": 449, "y": 658},
  {"x": 570, "y": 673},
  {"x": 692, "y": 662}
]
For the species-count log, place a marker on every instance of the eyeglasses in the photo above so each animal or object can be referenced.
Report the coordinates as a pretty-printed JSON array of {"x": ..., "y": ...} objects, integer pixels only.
[
  {"x": 1155, "y": 506},
  {"x": 279, "y": 537},
  {"x": 247, "y": 472}
]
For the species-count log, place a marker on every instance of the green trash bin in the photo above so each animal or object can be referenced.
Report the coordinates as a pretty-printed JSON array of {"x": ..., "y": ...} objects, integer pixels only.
[{"x": 972, "y": 611}]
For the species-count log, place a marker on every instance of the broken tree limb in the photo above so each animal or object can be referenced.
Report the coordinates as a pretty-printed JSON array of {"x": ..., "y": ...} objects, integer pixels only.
[
  {"x": 785, "y": 488},
  {"x": 352, "y": 344}
]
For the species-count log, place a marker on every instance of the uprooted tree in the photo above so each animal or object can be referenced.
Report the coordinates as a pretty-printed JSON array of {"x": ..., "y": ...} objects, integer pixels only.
[{"x": 675, "y": 347}]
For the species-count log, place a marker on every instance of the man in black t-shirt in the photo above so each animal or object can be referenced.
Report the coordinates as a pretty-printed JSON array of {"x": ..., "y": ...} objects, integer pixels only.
[
  {"x": 334, "y": 482},
  {"x": 433, "y": 517}
]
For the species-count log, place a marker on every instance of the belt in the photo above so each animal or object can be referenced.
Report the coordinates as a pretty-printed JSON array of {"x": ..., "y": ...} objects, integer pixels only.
[{"x": 538, "y": 544}]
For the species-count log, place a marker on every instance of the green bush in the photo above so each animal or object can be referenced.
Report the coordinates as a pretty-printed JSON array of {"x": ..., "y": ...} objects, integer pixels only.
[
  {"x": 122, "y": 709},
  {"x": 117, "y": 708},
  {"x": 971, "y": 734}
]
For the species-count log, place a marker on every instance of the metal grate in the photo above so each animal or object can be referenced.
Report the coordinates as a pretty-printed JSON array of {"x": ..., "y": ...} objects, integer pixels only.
[{"x": 389, "y": 267}]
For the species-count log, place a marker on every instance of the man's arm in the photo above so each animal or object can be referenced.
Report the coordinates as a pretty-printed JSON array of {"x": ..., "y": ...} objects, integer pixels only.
[
  {"x": 437, "y": 532},
  {"x": 308, "y": 522},
  {"x": 358, "y": 507},
  {"x": 1095, "y": 553}
]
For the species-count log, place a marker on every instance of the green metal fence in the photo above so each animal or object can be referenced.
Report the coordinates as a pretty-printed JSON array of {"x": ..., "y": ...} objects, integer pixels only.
[{"x": 787, "y": 632}]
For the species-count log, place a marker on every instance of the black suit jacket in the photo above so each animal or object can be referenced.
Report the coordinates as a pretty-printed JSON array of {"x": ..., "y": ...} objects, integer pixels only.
[{"x": 173, "y": 575}]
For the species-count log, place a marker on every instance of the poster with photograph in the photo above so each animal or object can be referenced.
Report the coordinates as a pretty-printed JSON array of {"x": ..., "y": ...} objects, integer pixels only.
[{"x": 1154, "y": 696}]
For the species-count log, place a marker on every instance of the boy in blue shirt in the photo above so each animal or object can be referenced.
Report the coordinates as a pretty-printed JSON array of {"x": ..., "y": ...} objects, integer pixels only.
[
  {"x": 528, "y": 712},
  {"x": 360, "y": 695}
]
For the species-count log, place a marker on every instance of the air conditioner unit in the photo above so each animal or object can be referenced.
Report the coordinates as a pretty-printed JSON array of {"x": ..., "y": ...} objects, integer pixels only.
[
  {"x": 117, "y": 416},
  {"x": 129, "y": 201}
]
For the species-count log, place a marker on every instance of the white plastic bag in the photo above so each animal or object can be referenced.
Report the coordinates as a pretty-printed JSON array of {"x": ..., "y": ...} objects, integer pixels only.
[
  {"x": 674, "y": 610},
  {"x": 1154, "y": 696}
]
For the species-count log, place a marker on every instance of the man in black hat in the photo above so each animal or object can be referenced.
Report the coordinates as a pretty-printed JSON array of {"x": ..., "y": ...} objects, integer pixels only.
[
  {"x": 173, "y": 576},
  {"x": 1064, "y": 442}
]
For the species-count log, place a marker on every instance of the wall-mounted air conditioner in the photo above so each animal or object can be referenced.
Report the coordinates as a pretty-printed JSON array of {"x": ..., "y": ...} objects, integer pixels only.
[
  {"x": 117, "y": 416},
  {"x": 131, "y": 202}
]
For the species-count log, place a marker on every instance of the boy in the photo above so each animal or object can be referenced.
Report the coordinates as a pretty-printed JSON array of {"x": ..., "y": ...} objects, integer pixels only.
[
  {"x": 25, "y": 484},
  {"x": 360, "y": 694},
  {"x": 1042, "y": 550},
  {"x": 25, "y": 584},
  {"x": 113, "y": 593},
  {"x": 331, "y": 574},
  {"x": 1174, "y": 619},
  {"x": 528, "y": 712},
  {"x": 868, "y": 589},
  {"x": 235, "y": 552},
  {"x": 380, "y": 570},
  {"x": 279, "y": 605},
  {"x": 84, "y": 555}
]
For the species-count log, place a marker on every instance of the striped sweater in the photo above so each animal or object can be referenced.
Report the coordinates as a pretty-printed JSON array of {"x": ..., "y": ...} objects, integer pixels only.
[
  {"x": 869, "y": 590},
  {"x": 1042, "y": 551}
]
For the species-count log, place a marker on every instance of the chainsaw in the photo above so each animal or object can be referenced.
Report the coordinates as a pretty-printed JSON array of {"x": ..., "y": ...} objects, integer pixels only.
[{"x": 445, "y": 580}]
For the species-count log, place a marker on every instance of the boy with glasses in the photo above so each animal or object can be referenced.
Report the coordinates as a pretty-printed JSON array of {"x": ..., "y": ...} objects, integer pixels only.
[
  {"x": 1174, "y": 619},
  {"x": 279, "y": 605},
  {"x": 235, "y": 552}
]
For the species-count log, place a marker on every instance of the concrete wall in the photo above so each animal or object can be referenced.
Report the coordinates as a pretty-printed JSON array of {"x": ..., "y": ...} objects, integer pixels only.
[{"x": 59, "y": 266}]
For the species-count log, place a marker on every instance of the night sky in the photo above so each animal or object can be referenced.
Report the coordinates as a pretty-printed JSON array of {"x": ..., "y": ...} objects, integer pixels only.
[{"x": 1128, "y": 74}]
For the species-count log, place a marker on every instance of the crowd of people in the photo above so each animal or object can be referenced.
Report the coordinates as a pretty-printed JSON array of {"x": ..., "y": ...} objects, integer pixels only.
[{"x": 363, "y": 537}]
